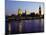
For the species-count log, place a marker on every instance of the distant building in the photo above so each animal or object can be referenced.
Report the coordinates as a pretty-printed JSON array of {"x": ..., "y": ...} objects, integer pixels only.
[
  {"x": 19, "y": 12},
  {"x": 27, "y": 12}
]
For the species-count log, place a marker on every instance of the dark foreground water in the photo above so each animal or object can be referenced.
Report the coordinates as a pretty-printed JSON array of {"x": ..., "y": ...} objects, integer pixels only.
[{"x": 25, "y": 26}]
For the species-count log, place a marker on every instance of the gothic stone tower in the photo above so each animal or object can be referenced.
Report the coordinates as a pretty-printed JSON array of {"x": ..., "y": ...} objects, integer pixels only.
[{"x": 39, "y": 10}]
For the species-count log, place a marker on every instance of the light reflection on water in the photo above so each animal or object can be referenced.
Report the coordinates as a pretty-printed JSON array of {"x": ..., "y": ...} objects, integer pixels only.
[
  {"x": 36, "y": 25},
  {"x": 33, "y": 25}
]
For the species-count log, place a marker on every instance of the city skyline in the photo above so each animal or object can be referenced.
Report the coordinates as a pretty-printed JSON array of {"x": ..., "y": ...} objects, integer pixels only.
[{"x": 13, "y": 6}]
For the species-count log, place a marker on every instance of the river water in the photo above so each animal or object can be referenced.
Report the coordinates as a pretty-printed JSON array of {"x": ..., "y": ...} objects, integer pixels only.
[{"x": 26, "y": 26}]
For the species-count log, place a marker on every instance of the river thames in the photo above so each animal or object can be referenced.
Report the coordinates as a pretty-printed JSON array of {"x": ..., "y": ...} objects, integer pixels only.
[{"x": 25, "y": 26}]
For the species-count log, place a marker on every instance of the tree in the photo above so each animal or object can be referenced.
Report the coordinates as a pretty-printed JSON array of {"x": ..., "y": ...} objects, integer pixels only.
[{"x": 32, "y": 14}]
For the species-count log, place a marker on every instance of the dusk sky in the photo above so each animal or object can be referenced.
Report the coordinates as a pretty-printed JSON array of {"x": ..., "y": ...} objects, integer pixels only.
[{"x": 13, "y": 6}]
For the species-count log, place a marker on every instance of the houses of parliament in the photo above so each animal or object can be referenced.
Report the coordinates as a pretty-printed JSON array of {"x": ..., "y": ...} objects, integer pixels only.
[{"x": 27, "y": 13}]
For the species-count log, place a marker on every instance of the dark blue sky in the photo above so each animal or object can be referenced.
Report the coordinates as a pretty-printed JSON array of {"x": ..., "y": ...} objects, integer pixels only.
[{"x": 13, "y": 6}]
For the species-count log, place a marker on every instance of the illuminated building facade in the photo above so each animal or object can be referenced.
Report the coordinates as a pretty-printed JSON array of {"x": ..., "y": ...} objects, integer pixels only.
[
  {"x": 27, "y": 12},
  {"x": 19, "y": 12}
]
